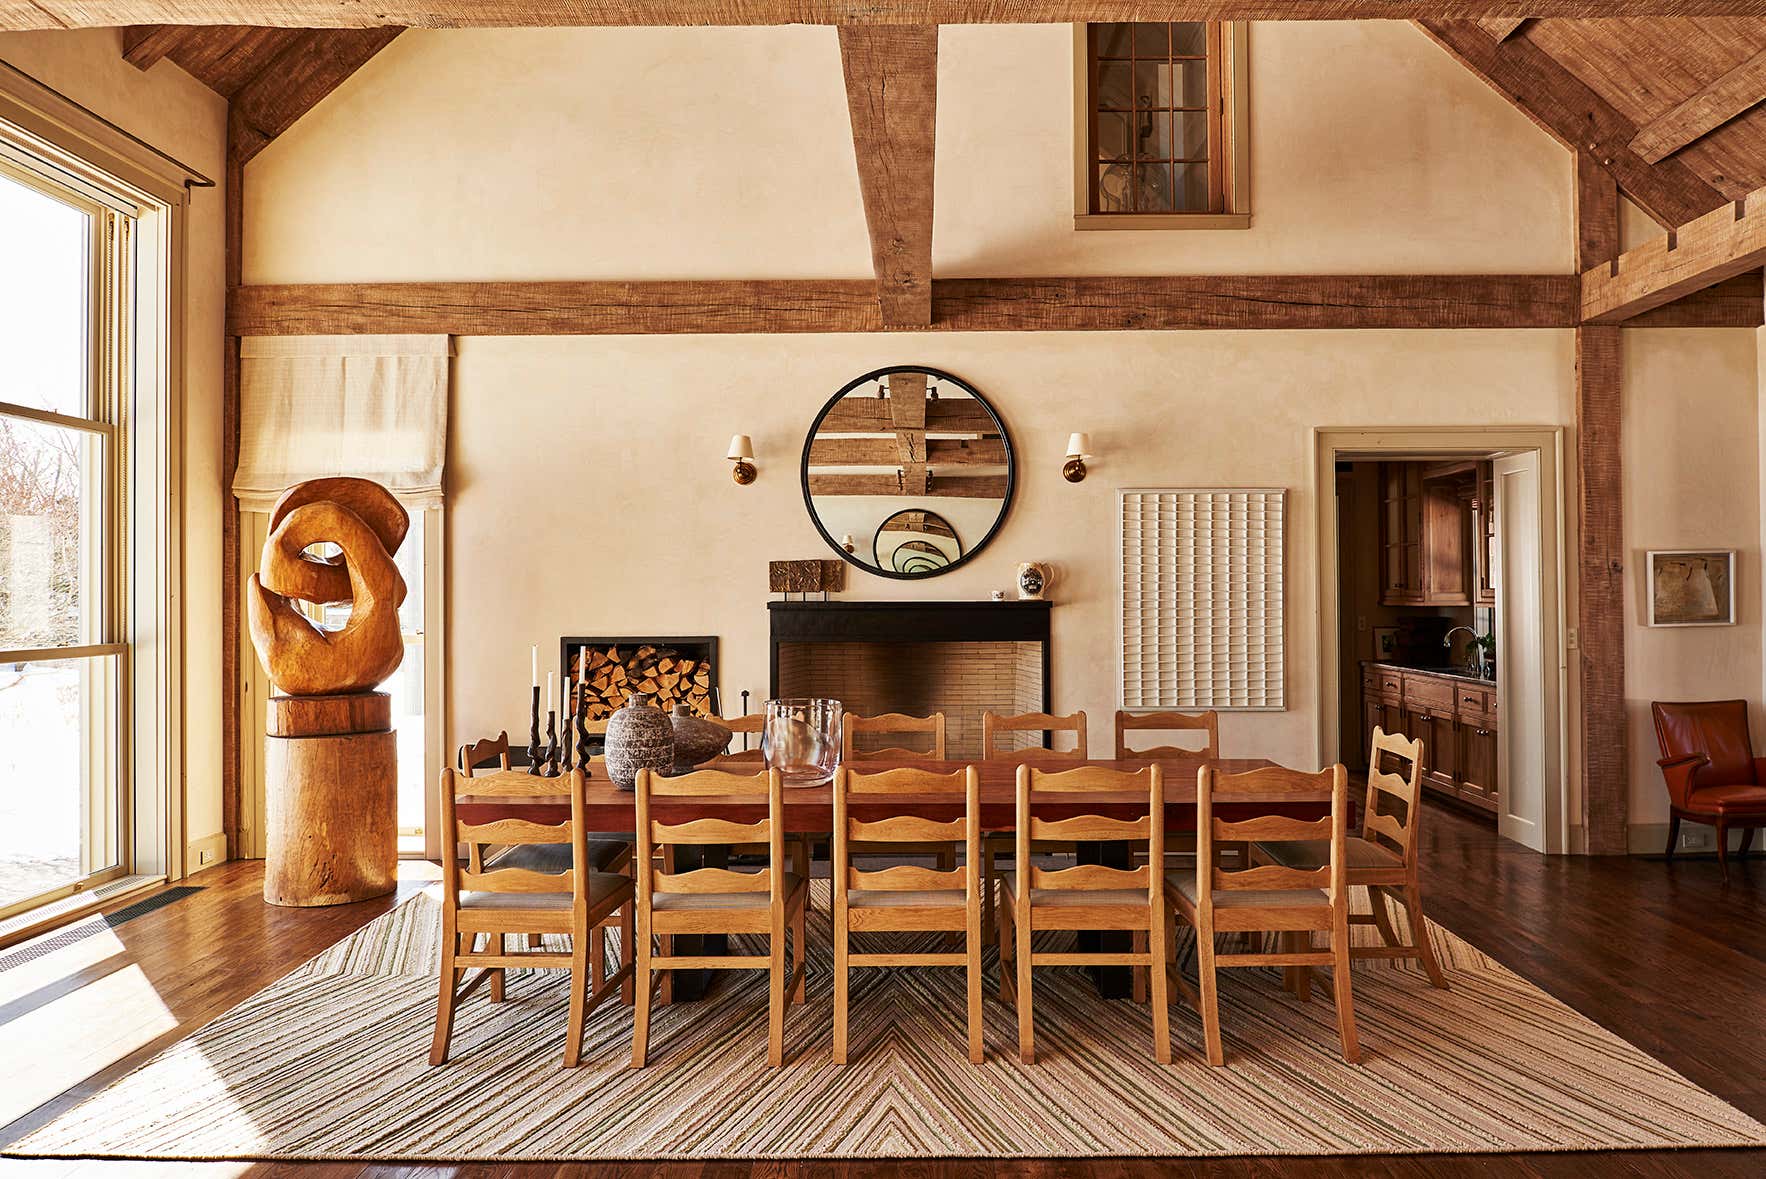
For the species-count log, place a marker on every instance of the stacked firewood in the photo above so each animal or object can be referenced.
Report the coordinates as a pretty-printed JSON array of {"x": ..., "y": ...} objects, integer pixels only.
[{"x": 611, "y": 674}]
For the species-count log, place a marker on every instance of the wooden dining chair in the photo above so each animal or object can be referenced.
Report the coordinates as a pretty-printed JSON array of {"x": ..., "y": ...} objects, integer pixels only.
[
  {"x": 1087, "y": 896},
  {"x": 905, "y": 898},
  {"x": 717, "y": 900},
  {"x": 892, "y": 724},
  {"x": 755, "y": 723},
  {"x": 1168, "y": 722},
  {"x": 1384, "y": 858},
  {"x": 994, "y": 724},
  {"x": 1264, "y": 898},
  {"x": 498, "y": 900},
  {"x": 475, "y": 754}
]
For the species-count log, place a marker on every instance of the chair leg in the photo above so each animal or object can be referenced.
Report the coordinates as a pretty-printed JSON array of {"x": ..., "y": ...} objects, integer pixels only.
[
  {"x": 1008, "y": 938},
  {"x": 497, "y": 975},
  {"x": 1207, "y": 985},
  {"x": 1673, "y": 836},
  {"x": 972, "y": 966},
  {"x": 444, "y": 1007},
  {"x": 665, "y": 945},
  {"x": 1340, "y": 983},
  {"x": 800, "y": 948},
  {"x": 644, "y": 986},
  {"x": 1140, "y": 972},
  {"x": 628, "y": 946},
  {"x": 1747, "y": 844},
  {"x": 597, "y": 955},
  {"x": 1026, "y": 1016},
  {"x": 1419, "y": 935},
  {"x": 1723, "y": 849},
  {"x": 842, "y": 980},
  {"x": 1161, "y": 997},
  {"x": 1376, "y": 901},
  {"x": 580, "y": 952},
  {"x": 775, "y": 1043},
  {"x": 987, "y": 918},
  {"x": 1300, "y": 943}
]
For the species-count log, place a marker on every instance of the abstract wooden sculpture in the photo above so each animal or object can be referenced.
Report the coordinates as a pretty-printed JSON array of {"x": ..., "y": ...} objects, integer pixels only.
[{"x": 331, "y": 757}]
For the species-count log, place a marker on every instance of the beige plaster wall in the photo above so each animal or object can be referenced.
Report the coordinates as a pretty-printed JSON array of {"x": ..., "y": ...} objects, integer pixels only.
[{"x": 170, "y": 110}]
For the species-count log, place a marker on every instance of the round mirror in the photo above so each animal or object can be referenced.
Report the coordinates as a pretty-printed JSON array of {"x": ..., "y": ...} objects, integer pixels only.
[{"x": 907, "y": 472}]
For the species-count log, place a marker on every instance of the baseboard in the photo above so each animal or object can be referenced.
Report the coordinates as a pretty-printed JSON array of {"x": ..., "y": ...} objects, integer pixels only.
[
  {"x": 1651, "y": 839},
  {"x": 205, "y": 853}
]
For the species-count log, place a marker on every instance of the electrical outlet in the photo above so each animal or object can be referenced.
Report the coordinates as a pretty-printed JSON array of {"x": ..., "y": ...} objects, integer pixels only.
[
  {"x": 1360, "y": 622},
  {"x": 1696, "y": 840},
  {"x": 205, "y": 856},
  {"x": 1573, "y": 640}
]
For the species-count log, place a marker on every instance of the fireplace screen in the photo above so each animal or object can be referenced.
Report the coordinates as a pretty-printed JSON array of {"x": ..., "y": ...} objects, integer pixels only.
[{"x": 672, "y": 670}]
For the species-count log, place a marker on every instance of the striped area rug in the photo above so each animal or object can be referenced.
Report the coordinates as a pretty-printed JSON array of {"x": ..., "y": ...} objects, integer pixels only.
[{"x": 331, "y": 1064}]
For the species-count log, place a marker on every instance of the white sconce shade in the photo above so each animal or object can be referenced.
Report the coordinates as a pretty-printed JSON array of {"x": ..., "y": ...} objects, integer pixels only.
[
  {"x": 1079, "y": 446},
  {"x": 742, "y": 447}
]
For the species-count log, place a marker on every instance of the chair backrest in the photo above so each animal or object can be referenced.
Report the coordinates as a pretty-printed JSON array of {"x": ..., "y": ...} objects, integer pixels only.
[
  {"x": 903, "y": 825},
  {"x": 1071, "y": 788},
  {"x": 993, "y": 724},
  {"x": 1269, "y": 788},
  {"x": 502, "y": 832},
  {"x": 1168, "y": 722},
  {"x": 764, "y": 788},
  {"x": 754, "y": 722},
  {"x": 1717, "y": 729},
  {"x": 473, "y": 755},
  {"x": 892, "y": 723},
  {"x": 1394, "y": 793}
]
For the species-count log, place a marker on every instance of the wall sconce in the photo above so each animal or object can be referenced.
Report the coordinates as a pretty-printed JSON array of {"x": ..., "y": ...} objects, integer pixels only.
[
  {"x": 742, "y": 454},
  {"x": 1078, "y": 450},
  {"x": 847, "y": 543}
]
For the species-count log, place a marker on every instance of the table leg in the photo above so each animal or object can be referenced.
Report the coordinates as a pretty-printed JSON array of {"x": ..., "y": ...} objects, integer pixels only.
[
  {"x": 1113, "y": 982},
  {"x": 690, "y": 985}
]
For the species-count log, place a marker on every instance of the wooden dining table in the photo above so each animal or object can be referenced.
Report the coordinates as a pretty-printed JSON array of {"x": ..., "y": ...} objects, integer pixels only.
[{"x": 809, "y": 810}]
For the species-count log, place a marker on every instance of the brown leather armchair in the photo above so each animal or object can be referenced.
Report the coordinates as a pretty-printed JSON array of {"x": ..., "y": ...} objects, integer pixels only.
[{"x": 1712, "y": 774}]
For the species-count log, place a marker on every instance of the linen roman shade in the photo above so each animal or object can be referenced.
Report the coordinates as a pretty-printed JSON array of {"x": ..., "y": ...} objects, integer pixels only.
[{"x": 371, "y": 406}]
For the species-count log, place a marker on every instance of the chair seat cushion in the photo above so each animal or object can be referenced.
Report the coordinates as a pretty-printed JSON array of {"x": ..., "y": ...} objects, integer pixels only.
[
  {"x": 722, "y": 900},
  {"x": 1183, "y": 881},
  {"x": 1729, "y": 800},
  {"x": 1069, "y": 898},
  {"x": 930, "y": 898},
  {"x": 554, "y": 858},
  {"x": 602, "y": 886},
  {"x": 1310, "y": 854}
]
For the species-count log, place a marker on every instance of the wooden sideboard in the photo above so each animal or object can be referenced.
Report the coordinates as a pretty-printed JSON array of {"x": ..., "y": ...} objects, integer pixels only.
[{"x": 1455, "y": 718}]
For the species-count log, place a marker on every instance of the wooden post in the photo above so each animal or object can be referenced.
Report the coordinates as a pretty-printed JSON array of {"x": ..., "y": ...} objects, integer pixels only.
[
  {"x": 1600, "y": 567},
  {"x": 331, "y": 795}
]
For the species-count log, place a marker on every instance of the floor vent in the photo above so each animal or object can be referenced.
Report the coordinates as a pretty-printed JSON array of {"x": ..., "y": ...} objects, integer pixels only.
[{"x": 91, "y": 926}]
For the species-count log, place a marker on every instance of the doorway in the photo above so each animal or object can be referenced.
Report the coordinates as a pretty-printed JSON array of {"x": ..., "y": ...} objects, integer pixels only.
[{"x": 1440, "y": 560}]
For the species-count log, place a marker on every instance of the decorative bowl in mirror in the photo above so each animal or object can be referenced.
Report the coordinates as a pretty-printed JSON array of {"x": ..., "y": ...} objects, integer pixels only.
[{"x": 908, "y": 472}]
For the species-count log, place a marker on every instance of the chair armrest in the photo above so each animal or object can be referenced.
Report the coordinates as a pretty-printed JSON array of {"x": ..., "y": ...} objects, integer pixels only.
[
  {"x": 1760, "y": 771},
  {"x": 1678, "y": 772}
]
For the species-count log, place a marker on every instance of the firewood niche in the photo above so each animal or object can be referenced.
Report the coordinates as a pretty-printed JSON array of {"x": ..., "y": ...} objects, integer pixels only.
[{"x": 671, "y": 670}]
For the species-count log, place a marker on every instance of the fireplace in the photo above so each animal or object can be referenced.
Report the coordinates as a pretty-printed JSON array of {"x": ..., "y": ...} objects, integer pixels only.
[
  {"x": 958, "y": 658},
  {"x": 674, "y": 670}
]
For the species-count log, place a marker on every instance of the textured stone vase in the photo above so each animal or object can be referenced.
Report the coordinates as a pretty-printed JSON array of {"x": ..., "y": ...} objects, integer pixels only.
[
  {"x": 696, "y": 739},
  {"x": 639, "y": 736}
]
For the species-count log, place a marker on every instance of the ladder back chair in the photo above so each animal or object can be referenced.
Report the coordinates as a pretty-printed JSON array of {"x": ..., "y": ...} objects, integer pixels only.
[
  {"x": 801, "y": 848},
  {"x": 1168, "y": 722},
  {"x": 472, "y": 756},
  {"x": 994, "y": 724},
  {"x": 1265, "y": 898},
  {"x": 1087, "y": 896},
  {"x": 905, "y": 898},
  {"x": 753, "y": 723},
  {"x": 893, "y": 723},
  {"x": 1383, "y": 859},
  {"x": 497, "y": 900},
  {"x": 717, "y": 900}
]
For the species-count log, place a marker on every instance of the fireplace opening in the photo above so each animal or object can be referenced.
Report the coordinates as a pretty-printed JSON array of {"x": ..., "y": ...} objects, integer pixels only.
[{"x": 672, "y": 670}]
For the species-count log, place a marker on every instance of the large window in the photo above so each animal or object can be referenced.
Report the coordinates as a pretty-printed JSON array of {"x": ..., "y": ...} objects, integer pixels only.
[
  {"x": 63, "y": 374},
  {"x": 1159, "y": 135}
]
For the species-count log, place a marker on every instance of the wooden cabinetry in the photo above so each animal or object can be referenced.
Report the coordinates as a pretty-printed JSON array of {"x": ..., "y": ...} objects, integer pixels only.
[
  {"x": 1454, "y": 718},
  {"x": 1426, "y": 534},
  {"x": 1484, "y": 535}
]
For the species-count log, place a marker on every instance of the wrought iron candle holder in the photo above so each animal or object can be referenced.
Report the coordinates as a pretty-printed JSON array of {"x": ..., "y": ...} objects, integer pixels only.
[
  {"x": 534, "y": 765},
  {"x": 568, "y": 733},
  {"x": 551, "y": 770}
]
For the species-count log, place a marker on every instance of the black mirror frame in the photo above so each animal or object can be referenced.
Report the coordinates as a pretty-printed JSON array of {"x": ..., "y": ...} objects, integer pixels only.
[{"x": 970, "y": 552}]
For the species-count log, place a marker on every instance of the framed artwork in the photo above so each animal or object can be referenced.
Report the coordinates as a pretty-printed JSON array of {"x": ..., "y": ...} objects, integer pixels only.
[
  {"x": 1385, "y": 643},
  {"x": 1692, "y": 587}
]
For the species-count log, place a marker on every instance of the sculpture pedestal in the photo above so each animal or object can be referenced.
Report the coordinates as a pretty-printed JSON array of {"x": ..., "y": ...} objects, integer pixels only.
[{"x": 331, "y": 799}]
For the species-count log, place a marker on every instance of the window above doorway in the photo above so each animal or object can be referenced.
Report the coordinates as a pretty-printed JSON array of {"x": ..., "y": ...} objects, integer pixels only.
[{"x": 1160, "y": 126}]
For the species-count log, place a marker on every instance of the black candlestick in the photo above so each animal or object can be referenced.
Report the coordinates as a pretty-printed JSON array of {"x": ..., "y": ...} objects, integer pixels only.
[
  {"x": 569, "y": 739},
  {"x": 551, "y": 744},
  {"x": 533, "y": 735},
  {"x": 582, "y": 731}
]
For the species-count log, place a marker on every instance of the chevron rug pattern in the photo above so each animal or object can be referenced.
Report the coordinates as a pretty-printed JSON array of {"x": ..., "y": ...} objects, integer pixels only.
[{"x": 331, "y": 1064}]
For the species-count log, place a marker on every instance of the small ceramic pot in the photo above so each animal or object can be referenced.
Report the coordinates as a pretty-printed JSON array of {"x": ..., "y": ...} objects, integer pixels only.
[
  {"x": 639, "y": 736},
  {"x": 696, "y": 739},
  {"x": 1033, "y": 580}
]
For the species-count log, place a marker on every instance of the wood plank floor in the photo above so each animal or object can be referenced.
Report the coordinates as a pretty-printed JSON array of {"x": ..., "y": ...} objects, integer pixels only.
[{"x": 1664, "y": 955}]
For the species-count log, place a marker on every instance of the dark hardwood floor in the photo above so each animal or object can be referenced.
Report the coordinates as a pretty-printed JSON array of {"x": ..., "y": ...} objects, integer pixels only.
[{"x": 1665, "y": 955}]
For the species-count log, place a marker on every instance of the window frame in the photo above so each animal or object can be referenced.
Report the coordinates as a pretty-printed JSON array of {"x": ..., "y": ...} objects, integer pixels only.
[{"x": 1229, "y": 158}]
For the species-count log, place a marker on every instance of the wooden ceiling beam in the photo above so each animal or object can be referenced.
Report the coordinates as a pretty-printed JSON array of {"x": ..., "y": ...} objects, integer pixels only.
[
  {"x": 892, "y": 98},
  {"x": 443, "y": 14},
  {"x": 1735, "y": 93},
  {"x": 958, "y": 304},
  {"x": 1722, "y": 244},
  {"x": 1501, "y": 28},
  {"x": 1568, "y": 110},
  {"x": 311, "y": 67},
  {"x": 145, "y": 46}
]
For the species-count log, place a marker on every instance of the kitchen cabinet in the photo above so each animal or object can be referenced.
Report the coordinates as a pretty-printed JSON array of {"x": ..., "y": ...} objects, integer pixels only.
[
  {"x": 1484, "y": 535},
  {"x": 1426, "y": 534},
  {"x": 1454, "y": 717}
]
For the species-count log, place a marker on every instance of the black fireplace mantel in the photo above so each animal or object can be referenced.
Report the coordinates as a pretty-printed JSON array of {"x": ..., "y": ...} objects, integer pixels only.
[{"x": 909, "y": 622}]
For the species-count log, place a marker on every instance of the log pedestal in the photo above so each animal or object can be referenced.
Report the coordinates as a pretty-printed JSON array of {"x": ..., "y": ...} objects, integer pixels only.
[{"x": 331, "y": 795}]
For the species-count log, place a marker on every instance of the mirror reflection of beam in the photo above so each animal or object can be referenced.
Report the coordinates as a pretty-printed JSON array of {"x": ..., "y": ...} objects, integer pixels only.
[
  {"x": 907, "y": 416},
  {"x": 870, "y": 415},
  {"x": 954, "y": 486},
  {"x": 884, "y": 452}
]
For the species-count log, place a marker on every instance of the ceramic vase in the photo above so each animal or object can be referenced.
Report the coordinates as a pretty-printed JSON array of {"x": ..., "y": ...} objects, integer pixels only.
[
  {"x": 696, "y": 739},
  {"x": 1033, "y": 580},
  {"x": 639, "y": 736}
]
